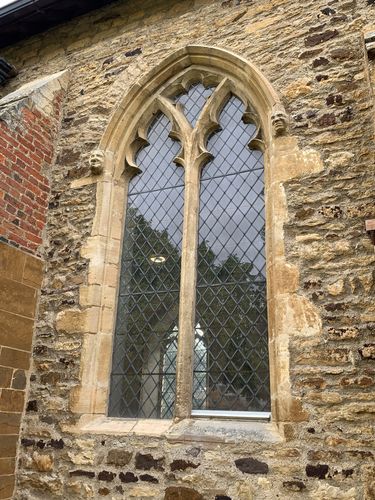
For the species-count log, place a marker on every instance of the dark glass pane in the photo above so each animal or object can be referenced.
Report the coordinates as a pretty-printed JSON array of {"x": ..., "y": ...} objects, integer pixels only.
[
  {"x": 194, "y": 101},
  {"x": 231, "y": 287},
  {"x": 142, "y": 385}
]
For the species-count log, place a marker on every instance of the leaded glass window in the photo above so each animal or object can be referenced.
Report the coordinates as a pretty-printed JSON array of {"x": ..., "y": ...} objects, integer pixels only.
[
  {"x": 231, "y": 286},
  {"x": 191, "y": 331},
  {"x": 147, "y": 308}
]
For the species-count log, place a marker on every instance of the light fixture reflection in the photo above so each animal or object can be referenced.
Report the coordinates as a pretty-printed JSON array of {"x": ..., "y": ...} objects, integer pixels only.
[{"x": 158, "y": 259}]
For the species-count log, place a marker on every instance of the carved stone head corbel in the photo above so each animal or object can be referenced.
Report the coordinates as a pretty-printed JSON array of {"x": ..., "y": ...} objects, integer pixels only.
[
  {"x": 96, "y": 161},
  {"x": 279, "y": 120}
]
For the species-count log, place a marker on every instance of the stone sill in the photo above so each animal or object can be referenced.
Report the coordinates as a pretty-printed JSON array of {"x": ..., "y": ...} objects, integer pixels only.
[{"x": 189, "y": 430}]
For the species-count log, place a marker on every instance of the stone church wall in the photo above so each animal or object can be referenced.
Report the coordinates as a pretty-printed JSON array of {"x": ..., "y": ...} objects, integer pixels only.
[{"x": 314, "y": 55}]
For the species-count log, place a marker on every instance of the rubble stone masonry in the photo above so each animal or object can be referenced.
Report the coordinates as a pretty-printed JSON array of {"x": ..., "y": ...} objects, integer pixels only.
[{"x": 313, "y": 54}]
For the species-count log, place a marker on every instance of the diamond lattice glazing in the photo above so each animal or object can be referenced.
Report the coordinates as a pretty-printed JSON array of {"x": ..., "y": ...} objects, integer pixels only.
[
  {"x": 231, "y": 288},
  {"x": 194, "y": 100},
  {"x": 141, "y": 382}
]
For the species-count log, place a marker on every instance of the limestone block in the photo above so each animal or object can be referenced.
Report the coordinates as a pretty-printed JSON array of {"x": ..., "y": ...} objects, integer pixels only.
[
  {"x": 78, "y": 321},
  {"x": 255, "y": 27},
  {"x": 298, "y": 88},
  {"x": 336, "y": 288},
  {"x": 40, "y": 91},
  {"x": 243, "y": 490},
  {"x": 85, "y": 457},
  {"x": 44, "y": 463},
  {"x": 143, "y": 492},
  {"x": 325, "y": 491},
  {"x": 298, "y": 315}
]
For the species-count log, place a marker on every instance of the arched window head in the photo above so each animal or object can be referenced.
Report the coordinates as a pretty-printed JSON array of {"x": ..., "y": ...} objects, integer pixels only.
[{"x": 191, "y": 329}]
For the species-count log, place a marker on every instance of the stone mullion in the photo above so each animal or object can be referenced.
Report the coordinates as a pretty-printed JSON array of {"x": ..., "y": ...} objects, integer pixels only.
[
  {"x": 194, "y": 157},
  {"x": 186, "y": 328}
]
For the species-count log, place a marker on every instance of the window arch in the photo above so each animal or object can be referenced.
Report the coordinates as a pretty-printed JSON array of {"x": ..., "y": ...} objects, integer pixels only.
[
  {"x": 220, "y": 259},
  {"x": 114, "y": 163}
]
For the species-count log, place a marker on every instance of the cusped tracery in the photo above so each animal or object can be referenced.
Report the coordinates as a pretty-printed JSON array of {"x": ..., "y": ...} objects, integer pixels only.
[{"x": 193, "y": 109}]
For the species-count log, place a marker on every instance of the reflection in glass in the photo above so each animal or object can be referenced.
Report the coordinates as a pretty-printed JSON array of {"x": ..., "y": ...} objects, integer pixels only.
[
  {"x": 169, "y": 371},
  {"x": 147, "y": 314},
  {"x": 231, "y": 286}
]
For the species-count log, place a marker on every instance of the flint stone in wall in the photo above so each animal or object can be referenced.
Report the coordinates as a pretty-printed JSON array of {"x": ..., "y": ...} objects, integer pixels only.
[
  {"x": 147, "y": 462},
  {"x": 182, "y": 465},
  {"x": 148, "y": 478},
  {"x": 128, "y": 477},
  {"x": 105, "y": 475},
  {"x": 84, "y": 473},
  {"x": 313, "y": 40},
  {"x": 320, "y": 471},
  {"x": 251, "y": 466}
]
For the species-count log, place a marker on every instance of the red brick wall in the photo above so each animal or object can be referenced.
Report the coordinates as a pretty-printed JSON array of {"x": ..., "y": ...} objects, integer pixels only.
[{"x": 26, "y": 152}]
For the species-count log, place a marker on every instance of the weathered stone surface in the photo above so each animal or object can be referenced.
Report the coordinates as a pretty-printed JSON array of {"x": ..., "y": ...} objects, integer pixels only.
[
  {"x": 368, "y": 351},
  {"x": 294, "y": 485},
  {"x": 7, "y": 486},
  {"x": 15, "y": 358},
  {"x": 119, "y": 457},
  {"x": 181, "y": 493},
  {"x": 15, "y": 331},
  {"x": 43, "y": 463},
  {"x": 5, "y": 377},
  {"x": 8, "y": 445},
  {"x": 335, "y": 493},
  {"x": 19, "y": 380},
  {"x": 11, "y": 400}
]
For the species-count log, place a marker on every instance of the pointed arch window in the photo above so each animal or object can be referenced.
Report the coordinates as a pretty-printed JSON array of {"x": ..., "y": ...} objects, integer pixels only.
[{"x": 191, "y": 329}]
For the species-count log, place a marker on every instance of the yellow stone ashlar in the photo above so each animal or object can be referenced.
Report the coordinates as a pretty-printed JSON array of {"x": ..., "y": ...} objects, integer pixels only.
[{"x": 113, "y": 165}]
